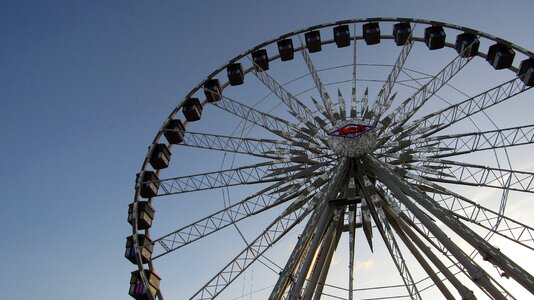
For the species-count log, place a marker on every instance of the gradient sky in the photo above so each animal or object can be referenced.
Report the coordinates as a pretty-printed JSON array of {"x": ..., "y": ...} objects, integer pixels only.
[{"x": 84, "y": 87}]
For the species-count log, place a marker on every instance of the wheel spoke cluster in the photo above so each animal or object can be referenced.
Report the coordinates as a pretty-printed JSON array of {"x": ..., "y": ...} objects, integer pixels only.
[{"x": 399, "y": 186}]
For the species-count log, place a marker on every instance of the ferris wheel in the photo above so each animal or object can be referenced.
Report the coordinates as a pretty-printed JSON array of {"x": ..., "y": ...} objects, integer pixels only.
[{"x": 394, "y": 136}]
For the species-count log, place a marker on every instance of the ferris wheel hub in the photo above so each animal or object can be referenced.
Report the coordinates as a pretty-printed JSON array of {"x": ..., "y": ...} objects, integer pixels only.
[{"x": 351, "y": 138}]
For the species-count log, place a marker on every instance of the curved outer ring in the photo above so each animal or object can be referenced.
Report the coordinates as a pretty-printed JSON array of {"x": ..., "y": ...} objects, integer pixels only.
[{"x": 480, "y": 34}]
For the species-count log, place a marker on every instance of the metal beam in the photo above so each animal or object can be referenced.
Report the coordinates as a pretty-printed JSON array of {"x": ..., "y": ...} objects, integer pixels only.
[
  {"x": 252, "y": 174},
  {"x": 364, "y": 110},
  {"x": 394, "y": 221},
  {"x": 381, "y": 104},
  {"x": 274, "y": 232},
  {"x": 323, "y": 112},
  {"x": 459, "y": 144},
  {"x": 383, "y": 227},
  {"x": 328, "y": 261},
  {"x": 341, "y": 103},
  {"x": 412, "y": 221},
  {"x": 321, "y": 204},
  {"x": 353, "y": 101},
  {"x": 256, "y": 147},
  {"x": 448, "y": 171},
  {"x": 322, "y": 254},
  {"x": 479, "y": 215},
  {"x": 457, "y": 112},
  {"x": 254, "y": 116},
  {"x": 400, "y": 188},
  {"x": 324, "y": 221},
  {"x": 405, "y": 232},
  {"x": 287, "y": 274},
  {"x": 351, "y": 192},
  {"x": 299, "y": 110},
  {"x": 328, "y": 104},
  {"x": 411, "y": 105},
  {"x": 261, "y": 201}
]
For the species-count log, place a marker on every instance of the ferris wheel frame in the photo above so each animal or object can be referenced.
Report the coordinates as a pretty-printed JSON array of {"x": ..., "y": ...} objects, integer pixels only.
[{"x": 377, "y": 166}]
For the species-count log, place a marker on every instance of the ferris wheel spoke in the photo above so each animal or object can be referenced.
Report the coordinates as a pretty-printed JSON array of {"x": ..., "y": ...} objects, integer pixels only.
[
  {"x": 376, "y": 115},
  {"x": 467, "y": 210},
  {"x": 419, "y": 250},
  {"x": 411, "y": 87},
  {"x": 353, "y": 101},
  {"x": 298, "y": 170},
  {"x": 448, "y": 171},
  {"x": 405, "y": 216},
  {"x": 451, "y": 145},
  {"x": 373, "y": 203},
  {"x": 364, "y": 110},
  {"x": 342, "y": 105},
  {"x": 411, "y": 245},
  {"x": 401, "y": 189},
  {"x": 475, "y": 213},
  {"x": 263, "y": 200},
  {"x": 464, "y": 292},
  {"x": 410, "y": 106},
  {"x": 252, "y": 174},
  {"x": 254, "y": 116},
  {"x": 297, "y": 191},
  {"x": 256, "y": 147},
  {"x": 457, "y": 112},
  {"x": 383, "y": 100},
  {"x": 425, "y": 226},
  {"x": 328, "y": 104},
  {"x": 274, "y": 232},
  {"x": 414, "y": 79},
  {"x": 296, "y": 107},
  {"x": 488, "y": 219},
  {"x": 396, "y": 254},
  {"x": 322, "y": 110},
  {"x": 409, "y": 218}
]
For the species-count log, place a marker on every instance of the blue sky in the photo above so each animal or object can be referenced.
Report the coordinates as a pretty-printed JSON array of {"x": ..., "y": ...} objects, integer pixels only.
[{"x": 84, "y": 87}]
